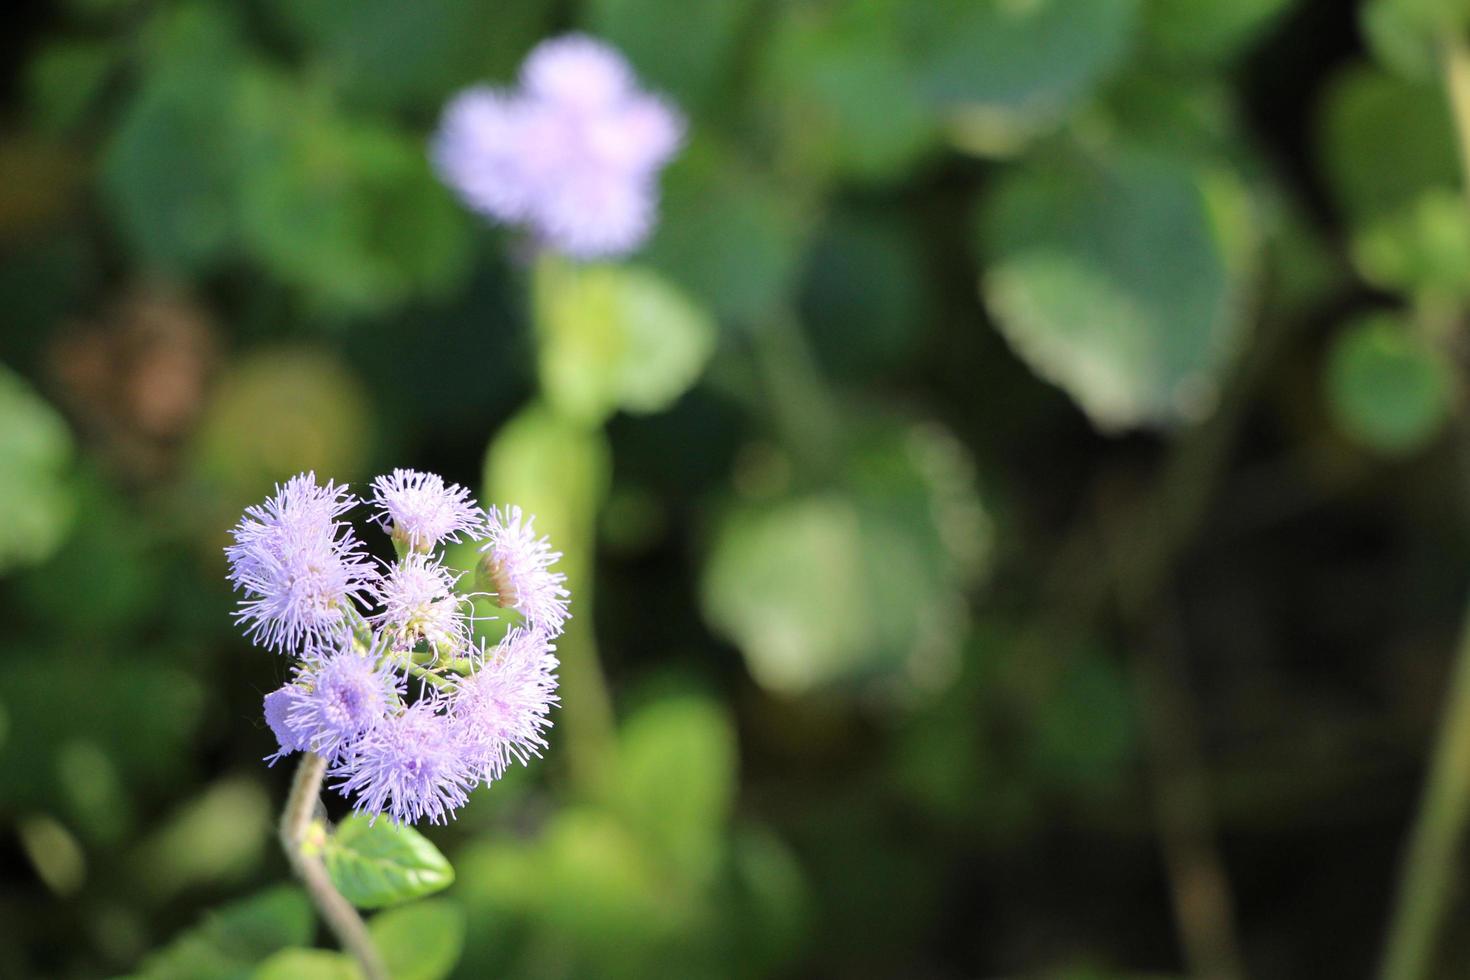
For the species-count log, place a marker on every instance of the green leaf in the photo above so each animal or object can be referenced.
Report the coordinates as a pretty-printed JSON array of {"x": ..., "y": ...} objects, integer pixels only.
[
  {"x": 1401, "y": 193},
  {"x": 615, "y": 337},
  {"x": 1124, "y": 282},
  {"x": 230, "y": 940},
  {"x": 307, "y": 964},
  {"x": 865, "y": 583},
  {"x": 1004, "y": 71},
  {"x": 1198, "y": 33},
  {"x": 380, "y": 863},
  {"x": 845, "y": 97},
  {"x": 421, "y": 941},
  {"x": 35, "y": 475},
  {"x": 1387, "y": 387},
  {"x": 683, "y": 49},
  {"x": 676, "y": 779}
]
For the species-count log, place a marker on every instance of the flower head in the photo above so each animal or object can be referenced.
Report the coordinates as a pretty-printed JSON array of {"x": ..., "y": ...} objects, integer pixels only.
[
  {"x": 420, "y": 510},
  {"x": 343, "y": 695},
  {"x": 278, "y": 705},
  {"x": 502, "y": 708},
  {"x": 517, "y": 568},
  {"x": 417, "y": 601},
  {"x": 574, "y": 154},
  {"x": 411, "y": 766},
  {"x": 300, "y": 568}
]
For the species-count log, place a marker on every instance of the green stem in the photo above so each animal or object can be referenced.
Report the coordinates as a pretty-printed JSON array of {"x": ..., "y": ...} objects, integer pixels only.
[
  {"x": 339, "y": 914},
  {"x": 1429, "y": 869}
]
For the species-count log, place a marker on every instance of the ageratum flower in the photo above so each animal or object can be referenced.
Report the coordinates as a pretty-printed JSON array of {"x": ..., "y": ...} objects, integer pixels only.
[
  {"x": 339, "y": 697},
  {"x": 574, "y": 155},
  {"x": 417, "y": 601},
  {"x": 516, "y": 569},
  {"x": 502, "y": 708},
  {"x": 411, "y": 766},
  {"x": 278, "y": 705},
  {"x": 299, "y": 567},
  {"x": 421, "y": 510}
]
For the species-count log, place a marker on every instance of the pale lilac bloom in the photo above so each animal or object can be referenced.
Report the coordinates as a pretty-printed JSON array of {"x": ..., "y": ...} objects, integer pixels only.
[
  {"x": 421, "y": 510},
  {"x": 299, "y": 566},
  {"x": 517, "y": 565},
  {"x": 341, "y": 696},
  {"x": 411, "y": 766},
  {"x": 278, "y": 704},
  {"x": 574, "y": 154},
  {"x": 502, "y": 708},
  {"x": 416, "y": 601}
]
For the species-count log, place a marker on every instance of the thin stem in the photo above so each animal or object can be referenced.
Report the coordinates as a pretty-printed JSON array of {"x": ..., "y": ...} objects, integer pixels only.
[
  {"x": 340, "y": 916},
  {"x": 1429, "y": 864}
]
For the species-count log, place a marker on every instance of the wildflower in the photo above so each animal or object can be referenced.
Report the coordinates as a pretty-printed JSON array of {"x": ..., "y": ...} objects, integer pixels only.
[
  {"x": 420, "y": 510},
  {"x": 417, "y": 601},
  {"x": 343, "y": 695},
  {"x": 299, "y": 567},
  {"x": 411, "y": 766},
  {"x": 574, "y": 154},
  {"x": 278, "y": 705},
  {"x": 516, "y": 568},
  {"x": 502, "y": 708}
]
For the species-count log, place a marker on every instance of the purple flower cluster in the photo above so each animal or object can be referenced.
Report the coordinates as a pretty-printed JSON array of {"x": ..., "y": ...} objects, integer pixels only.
[
  {"x": 573, "y": 155},
  {"x": 363, "y": 631}
]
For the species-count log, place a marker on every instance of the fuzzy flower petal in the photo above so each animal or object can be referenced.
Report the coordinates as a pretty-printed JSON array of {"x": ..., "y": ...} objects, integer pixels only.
[
  {"x": 416, "y": 601},
  {"x": 502, "y": 708},
  {"x": 517, "y": 568},
  {"x": 344, "y": 695},
  {"x": 299, "y": 567},
  {"x": 278, "y": 705},
  {"x": 422, "y": 510},
  {"x": 410, "y": 767}
]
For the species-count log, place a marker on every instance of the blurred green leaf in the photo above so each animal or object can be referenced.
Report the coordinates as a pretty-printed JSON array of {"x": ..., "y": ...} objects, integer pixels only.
[
  {"x": 1124, "y": 282},
  {"x": 676, "y": 780},
  {"x": 277, "y": 412},
  {"x": 1388, "y": 388},
  {"x": 35, "y": 475},
  {"x": 1200, "y": 33},
  {"x": 65, "y": 81},
  {"x": 229, "y": 941},
  {"x": 381, "y": 53},
  {"x": 727, "y": 234},
  {"x": 682, "y": 49},
  {"x": 1005, "y": 71},
  {"x": 307, "y": 964},
  {"x": 346, "y": 208},
  {"x": 421, "y": 941},
  {"x": 615, "y": 337},
  {"x": 220, "y": 835},
  {"x": 846, "y": 99},
  {"x": 862, "y": 583},
  {"x": 380, "y": 863},
  {"x": 555, "y": 469},
  {"x": 1388, "y": 150}
]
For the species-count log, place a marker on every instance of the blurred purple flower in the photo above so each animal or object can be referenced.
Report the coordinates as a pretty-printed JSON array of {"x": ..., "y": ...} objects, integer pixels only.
[
  {"x": 420, "y": 510},
  {"x": 299, "y": 567},
  {"x": 278, "y": 704},
  {"x": 574, "y": 154},
  {"x": 517, "y": 567},
  {"x": 502, "y": 708},
  {"x": 411, "y": 766}
]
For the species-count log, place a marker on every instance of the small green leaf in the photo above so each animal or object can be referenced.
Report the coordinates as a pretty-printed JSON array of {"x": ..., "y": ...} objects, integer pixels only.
[
  {"x": 1388, "y": 388},
  {"x": 421, "y": 941},
  {"x": 230, "y": 940},
  {"x": 35, "y": 483},
  {"x": 307, "y": 964},
  {"x": 616, "y": 337},
  {"x": 1122, "y": 281},
  {"x": 382, "y": 863},
  {"x": 676, "y": 766}
]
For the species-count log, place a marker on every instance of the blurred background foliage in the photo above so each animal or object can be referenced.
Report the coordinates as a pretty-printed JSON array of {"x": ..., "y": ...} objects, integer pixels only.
[{"x": 1014, "y": 486}]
